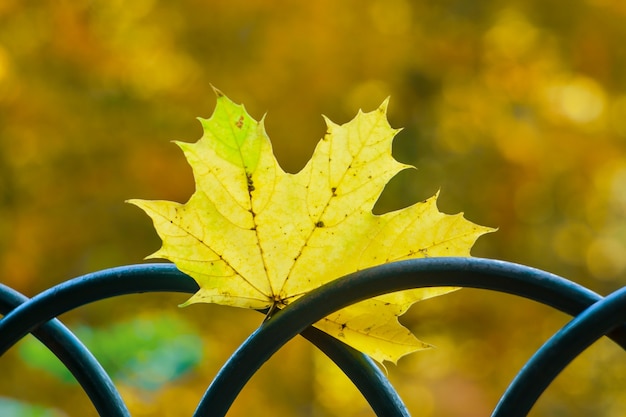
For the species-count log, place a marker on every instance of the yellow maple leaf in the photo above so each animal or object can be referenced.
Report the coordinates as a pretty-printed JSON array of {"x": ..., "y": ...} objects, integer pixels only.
[{"x": 255, "y": 236}]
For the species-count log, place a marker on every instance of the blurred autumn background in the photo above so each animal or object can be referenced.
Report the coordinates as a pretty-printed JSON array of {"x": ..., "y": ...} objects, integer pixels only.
[{"x": 515, "y": 110}]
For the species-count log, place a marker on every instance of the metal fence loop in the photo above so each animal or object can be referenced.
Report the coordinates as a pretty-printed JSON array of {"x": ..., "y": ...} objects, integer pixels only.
[{"x": 594, "y": 316}]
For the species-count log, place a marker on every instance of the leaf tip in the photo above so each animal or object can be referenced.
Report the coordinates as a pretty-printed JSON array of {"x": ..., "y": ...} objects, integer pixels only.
[
  {"x": 261, "y": 122},
  {"x": 384, "y": 105},
  {"x": 329, "y": 123},
  {"x": 217, "y": 92},
  {"x": 144, "y": 205},
  {"x": 156, "y": 255},
  {"x": 134, "y": 201}
]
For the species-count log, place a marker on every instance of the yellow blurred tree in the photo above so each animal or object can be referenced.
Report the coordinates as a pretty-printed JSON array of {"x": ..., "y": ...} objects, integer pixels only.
[{"x": 517, "y": 111}]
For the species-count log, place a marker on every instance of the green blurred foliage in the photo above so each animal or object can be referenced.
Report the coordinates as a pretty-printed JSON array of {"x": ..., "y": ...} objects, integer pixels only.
[
  {"x": 146, "y": 352},
  {"x": 515, "y": 110},
  {"x": 10, "y": 407}
]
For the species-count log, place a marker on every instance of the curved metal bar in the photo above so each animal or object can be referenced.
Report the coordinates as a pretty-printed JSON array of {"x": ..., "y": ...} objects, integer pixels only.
[
  {"x": 559, "y": 351},
  {"x": 89, "y": 288},
  {"x": 464, "y": 272},
  {"x": 75, "y": 356},
  {"x": 469, "y": 272},
  {"x": 363, "y": 372},
  {"x": 166, "y": 277}
]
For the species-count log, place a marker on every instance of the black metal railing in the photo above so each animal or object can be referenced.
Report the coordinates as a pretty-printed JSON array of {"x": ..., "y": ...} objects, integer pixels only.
[{"x": 594, "y": 317}]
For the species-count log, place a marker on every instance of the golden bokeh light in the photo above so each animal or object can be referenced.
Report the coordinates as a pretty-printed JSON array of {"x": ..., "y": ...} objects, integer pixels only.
[{"x": 516, "y": 113}]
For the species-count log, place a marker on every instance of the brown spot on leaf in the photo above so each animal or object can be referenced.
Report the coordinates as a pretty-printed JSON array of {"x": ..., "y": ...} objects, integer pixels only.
[{"x": 239, "y": 123}]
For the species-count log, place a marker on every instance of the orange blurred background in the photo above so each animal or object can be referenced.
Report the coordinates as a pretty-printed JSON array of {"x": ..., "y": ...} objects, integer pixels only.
[{"x": 515, "y": 110}]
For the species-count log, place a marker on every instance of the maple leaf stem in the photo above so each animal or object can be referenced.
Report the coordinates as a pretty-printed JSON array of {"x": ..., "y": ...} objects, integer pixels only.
[{"x": 271, "y": 311}]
